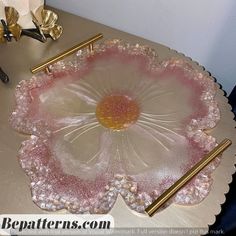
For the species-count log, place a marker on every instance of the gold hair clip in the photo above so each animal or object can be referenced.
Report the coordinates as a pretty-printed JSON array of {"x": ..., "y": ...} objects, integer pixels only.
[
  {"x": 12, "y": 17},
  {"x": 10, "y": 28},
  {"x": 45, "y": 21}
]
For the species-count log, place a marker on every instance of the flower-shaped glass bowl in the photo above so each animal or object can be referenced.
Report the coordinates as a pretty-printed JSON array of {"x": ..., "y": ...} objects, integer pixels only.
[{"x": 115, "y": 121}]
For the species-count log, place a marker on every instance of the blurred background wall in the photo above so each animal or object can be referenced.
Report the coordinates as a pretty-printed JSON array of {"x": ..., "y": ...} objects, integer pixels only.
[{"x": 204, "y": 30}]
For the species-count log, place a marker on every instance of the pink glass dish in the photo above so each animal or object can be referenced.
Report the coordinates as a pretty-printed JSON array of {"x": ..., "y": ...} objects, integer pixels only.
[{"x": 115, "y": 121}]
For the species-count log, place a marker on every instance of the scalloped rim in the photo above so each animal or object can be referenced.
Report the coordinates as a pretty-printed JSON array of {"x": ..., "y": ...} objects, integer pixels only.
[{"x": 221, "y": 93}]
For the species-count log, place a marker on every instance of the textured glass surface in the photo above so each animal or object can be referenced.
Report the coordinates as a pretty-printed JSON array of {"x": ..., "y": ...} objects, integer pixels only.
[{"x": 115, "y": 121}]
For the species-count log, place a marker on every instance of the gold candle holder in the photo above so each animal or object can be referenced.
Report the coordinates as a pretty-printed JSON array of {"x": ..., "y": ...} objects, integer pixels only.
[
  {"x": 151, "y": 209},
  {"x": 45, "y": 65}
]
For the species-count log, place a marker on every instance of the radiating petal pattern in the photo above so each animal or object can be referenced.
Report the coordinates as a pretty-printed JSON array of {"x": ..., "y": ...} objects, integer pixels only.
[{"x": 115, "y": 121}]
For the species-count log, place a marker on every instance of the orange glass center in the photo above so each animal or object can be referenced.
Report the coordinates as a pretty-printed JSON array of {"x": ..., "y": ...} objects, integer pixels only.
[{"x": 117, "y": 111}]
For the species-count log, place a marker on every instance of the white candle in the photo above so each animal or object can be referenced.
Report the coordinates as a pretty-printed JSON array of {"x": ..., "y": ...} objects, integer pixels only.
[{"x": 24, "y": 7}]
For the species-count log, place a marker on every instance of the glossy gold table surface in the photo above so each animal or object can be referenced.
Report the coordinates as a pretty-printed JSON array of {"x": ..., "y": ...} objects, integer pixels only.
[{"x": 17, "y": 58}]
